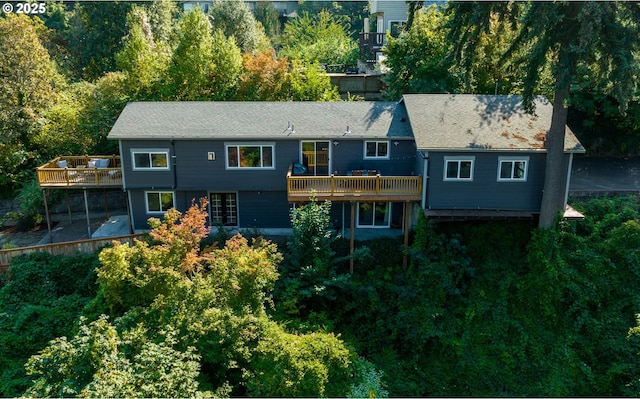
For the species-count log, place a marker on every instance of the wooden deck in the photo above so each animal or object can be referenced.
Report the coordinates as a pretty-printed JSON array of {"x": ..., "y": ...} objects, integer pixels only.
[
  {"x": 80, "y": 173},
  {"x": 353, "y": 188}
]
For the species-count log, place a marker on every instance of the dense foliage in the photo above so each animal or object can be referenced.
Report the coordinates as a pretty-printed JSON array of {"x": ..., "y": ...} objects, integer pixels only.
[
  {"x": 501, "y": 48},
  {"x": 41, "y": 298},
  {"x": 69, "y": 72},
  {"x": 170, "y": 318},
  {"x": 483, "y": 309},
  {"x": 500, "y": 308}
]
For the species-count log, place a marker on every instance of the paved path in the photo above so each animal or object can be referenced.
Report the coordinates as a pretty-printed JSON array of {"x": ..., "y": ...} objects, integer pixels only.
[{"x": 605, "y": 174}]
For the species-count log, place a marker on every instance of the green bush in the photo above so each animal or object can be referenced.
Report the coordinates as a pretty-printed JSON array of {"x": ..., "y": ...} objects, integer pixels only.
[{"x": 41, "y": 298}]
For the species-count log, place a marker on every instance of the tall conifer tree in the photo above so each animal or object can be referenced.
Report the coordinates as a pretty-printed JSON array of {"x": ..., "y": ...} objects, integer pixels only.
[{"x": 565, "y": 33}]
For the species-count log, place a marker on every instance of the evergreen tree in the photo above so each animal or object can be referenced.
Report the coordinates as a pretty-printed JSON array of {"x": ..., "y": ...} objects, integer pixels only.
[{"x": 604, "y": 34}]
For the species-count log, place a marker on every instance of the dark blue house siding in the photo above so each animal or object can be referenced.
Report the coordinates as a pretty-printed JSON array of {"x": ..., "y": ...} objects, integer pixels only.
[
  {"x": 196, "y": 171},
  {"x": 348, "y": 155},
  {"x": 145, "y": 179},
  {"x": 263, "y": 209},
  {"x": 485, "y": 191}
]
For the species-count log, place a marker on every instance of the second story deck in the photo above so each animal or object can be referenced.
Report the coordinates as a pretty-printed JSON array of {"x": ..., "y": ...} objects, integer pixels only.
[
  {"x": 359, "y": 186},
  {"x": 81, "y": 172},
  {"x": 370, "y": 44}
]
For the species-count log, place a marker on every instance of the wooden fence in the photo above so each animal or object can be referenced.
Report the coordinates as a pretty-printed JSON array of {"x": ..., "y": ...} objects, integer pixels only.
[{"x": 63, "y": 248}]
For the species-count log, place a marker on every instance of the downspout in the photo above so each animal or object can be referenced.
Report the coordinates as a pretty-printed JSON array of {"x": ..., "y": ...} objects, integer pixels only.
[
  {"x": 124, "y": 188},
  {"x": 425, "y": 178},
  {"x": 173, "y": 164}
]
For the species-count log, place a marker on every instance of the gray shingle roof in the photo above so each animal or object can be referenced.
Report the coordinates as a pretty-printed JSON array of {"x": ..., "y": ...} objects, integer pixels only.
[
  {"x": 260, "y": 120},
  {"x": 480, "y": 122}
]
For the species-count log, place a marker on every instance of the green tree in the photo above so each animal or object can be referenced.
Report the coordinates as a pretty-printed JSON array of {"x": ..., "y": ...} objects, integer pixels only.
[
  {"x": 95, "y": 35},
  {"x": 162, "y": 16},
  {"x": 98, "y": 362},
  {"x": 284, "y": 364},
  {"x": 321, "y": 38},
  {"x": 352, "y": 12},
  {"x": 310, "y": 83},
  {"x": 266, "y": 13},
  {"x": 216, "y": 300},
  {"x": 417, "y": 59},
  {"x": 142, "y": 60},
  {"x": 234, "y": 19},
  {"x": 41, "y": 297},
  {"x": 568, "y": 33},
  {"x": 204, "y": 65},
  {"x": 107, "y": 98},
  {"x": 63, "y": 133},
  {"x": 28, "y": 87}
]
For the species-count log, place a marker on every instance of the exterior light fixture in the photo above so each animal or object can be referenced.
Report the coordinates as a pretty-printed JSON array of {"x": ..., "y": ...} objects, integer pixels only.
[{"x": 336, "y": 142}]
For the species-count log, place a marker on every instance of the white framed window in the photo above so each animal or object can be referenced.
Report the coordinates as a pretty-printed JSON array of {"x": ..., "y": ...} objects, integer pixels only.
[
  {"x": 224, "y": 208},
  {"x": 513, "y": 168},
  {"x": 250, "y": 155},
  {"x": 458, "y": 168},
  {"x": 376, "y": 150},
  {"x": 159, "y": 201},
  {"x": 374, "y": 214},
  {"x": 396, "y": 27},
  {"x": 150, "y": 159}
]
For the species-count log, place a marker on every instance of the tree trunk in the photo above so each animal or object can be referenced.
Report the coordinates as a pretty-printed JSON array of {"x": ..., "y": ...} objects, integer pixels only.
[{"x": 554, "y": 183}]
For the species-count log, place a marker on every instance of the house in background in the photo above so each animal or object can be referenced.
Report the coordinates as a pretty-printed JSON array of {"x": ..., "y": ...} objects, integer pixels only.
[
  {"x": 387, "y": 17},
  {"x": 378, "y": 162}
]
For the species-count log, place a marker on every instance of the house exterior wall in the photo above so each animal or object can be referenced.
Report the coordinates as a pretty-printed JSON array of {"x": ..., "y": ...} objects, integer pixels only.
[
  {"x": 156, "y": 179},
  {"x": 349, "y": 155},
  {"x": 255, "y": 208},
  {"x": 485, "y": 191},
  {"x": 261, "y": 193},
  {"x": 393, "y": 10}
]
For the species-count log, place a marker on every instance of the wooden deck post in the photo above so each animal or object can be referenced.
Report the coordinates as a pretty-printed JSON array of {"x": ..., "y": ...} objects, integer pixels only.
[
  {"x": 106, "y": 204},
  {"x": 86, "y": 210},
  {"x": 46, "y": 211},
  {"x": 352, "y": 235},
  {"x": 69, "y": 207}
]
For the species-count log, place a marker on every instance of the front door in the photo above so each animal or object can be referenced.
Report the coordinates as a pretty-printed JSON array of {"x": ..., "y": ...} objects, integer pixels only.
[
  {"x": 224, "y": 209},
  {"x": 315, "y": 156}
]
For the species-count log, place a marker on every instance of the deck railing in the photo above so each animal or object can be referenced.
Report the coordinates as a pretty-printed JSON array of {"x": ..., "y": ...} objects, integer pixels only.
[
  {"x": 80, "y": 172},
  {"x": 64, "y": 248},
  {"x": 350, "y": 188},
  {"x": 370, "y": 44}
]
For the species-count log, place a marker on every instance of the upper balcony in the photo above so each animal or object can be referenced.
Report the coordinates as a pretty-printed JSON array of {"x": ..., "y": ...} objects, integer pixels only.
[
  {"x": 81, "y": 172},
  {"x": 370, "y": 44},
  {"x": 363, "y": 186}
]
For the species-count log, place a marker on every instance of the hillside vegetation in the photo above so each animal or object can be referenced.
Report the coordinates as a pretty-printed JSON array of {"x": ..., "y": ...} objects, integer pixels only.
[{"x": 482, "y": 309}]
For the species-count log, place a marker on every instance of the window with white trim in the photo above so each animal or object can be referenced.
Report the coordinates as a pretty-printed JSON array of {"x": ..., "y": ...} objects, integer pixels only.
[
  {"x": 150, "y": 159},
  {"x": 374, "y": 214},
  {"x": 512, "y": 168},
  {"x": 159, "y": 201},
  {"x": 376, "y": 150},
  {"x": 458, "y": 168},
  {"x": 250, "y": 155},
  {"x": 396, "y": 27}
]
